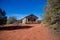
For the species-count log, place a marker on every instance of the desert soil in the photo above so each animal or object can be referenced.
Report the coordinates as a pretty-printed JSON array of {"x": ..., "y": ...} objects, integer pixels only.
[{"x": 36, "y": 32}]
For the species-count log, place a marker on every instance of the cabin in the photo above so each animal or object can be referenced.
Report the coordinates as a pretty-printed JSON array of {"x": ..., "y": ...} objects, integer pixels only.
[{"x": 30, "y": 19}]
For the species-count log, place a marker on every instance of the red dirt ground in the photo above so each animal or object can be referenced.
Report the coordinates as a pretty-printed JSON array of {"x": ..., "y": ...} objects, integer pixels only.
[{"x": 37, "y": 32}]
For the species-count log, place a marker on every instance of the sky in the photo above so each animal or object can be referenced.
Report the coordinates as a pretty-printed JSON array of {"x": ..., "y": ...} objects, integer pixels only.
[{"x": 22, "y": 8}]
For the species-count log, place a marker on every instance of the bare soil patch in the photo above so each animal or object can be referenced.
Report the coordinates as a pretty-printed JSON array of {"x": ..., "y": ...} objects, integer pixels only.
[{"x": 35, "y": 32}]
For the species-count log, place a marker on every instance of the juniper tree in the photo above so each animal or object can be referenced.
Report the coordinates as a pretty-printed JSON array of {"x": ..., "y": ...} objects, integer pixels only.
[
  {"x": 3, "y": 18},
  {"x": 52, "y": 13}
]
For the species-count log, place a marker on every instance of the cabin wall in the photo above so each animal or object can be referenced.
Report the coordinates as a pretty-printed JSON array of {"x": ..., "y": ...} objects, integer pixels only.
[
  {"x": 24, "y": 21},
  {"x": 35, "y": 21}
]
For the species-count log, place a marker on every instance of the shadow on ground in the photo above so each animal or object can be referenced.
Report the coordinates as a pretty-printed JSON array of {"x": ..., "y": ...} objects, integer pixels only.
[{"x": 14, "y": 27}]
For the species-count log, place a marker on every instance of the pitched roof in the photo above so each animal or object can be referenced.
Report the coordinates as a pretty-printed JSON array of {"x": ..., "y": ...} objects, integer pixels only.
[{"x": 31, "y": 15}]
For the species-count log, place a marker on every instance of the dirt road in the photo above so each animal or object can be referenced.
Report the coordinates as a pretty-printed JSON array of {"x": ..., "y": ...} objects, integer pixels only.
[{"x": 36, "y": 32}]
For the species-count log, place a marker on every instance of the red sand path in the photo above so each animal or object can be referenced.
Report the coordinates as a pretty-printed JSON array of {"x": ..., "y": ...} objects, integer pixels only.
[{"x": 37, "y": 32}]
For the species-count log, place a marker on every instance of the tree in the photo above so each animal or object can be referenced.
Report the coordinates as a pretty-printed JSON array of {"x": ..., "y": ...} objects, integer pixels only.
[
  {"x": 11, "y": 20},
  {"x": 52, "y": 13},
  {"x": 3, "y": 17}
]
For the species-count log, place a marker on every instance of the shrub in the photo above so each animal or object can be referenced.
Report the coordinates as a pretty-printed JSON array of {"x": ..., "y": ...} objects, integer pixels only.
[{"x": 11, "y": 20}]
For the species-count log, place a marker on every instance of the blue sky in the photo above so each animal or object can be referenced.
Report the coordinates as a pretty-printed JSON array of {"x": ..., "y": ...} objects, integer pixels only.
[{"x": 22, "y": 8}]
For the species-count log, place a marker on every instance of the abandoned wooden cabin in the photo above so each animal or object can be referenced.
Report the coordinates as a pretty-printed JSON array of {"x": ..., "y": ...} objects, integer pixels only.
[{"x": 30, "y": 19}]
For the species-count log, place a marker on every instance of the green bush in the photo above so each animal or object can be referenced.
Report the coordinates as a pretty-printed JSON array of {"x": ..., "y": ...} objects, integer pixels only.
[
  {"x": 39, "y": 21},
  {"x": 19, "y": 21}
]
